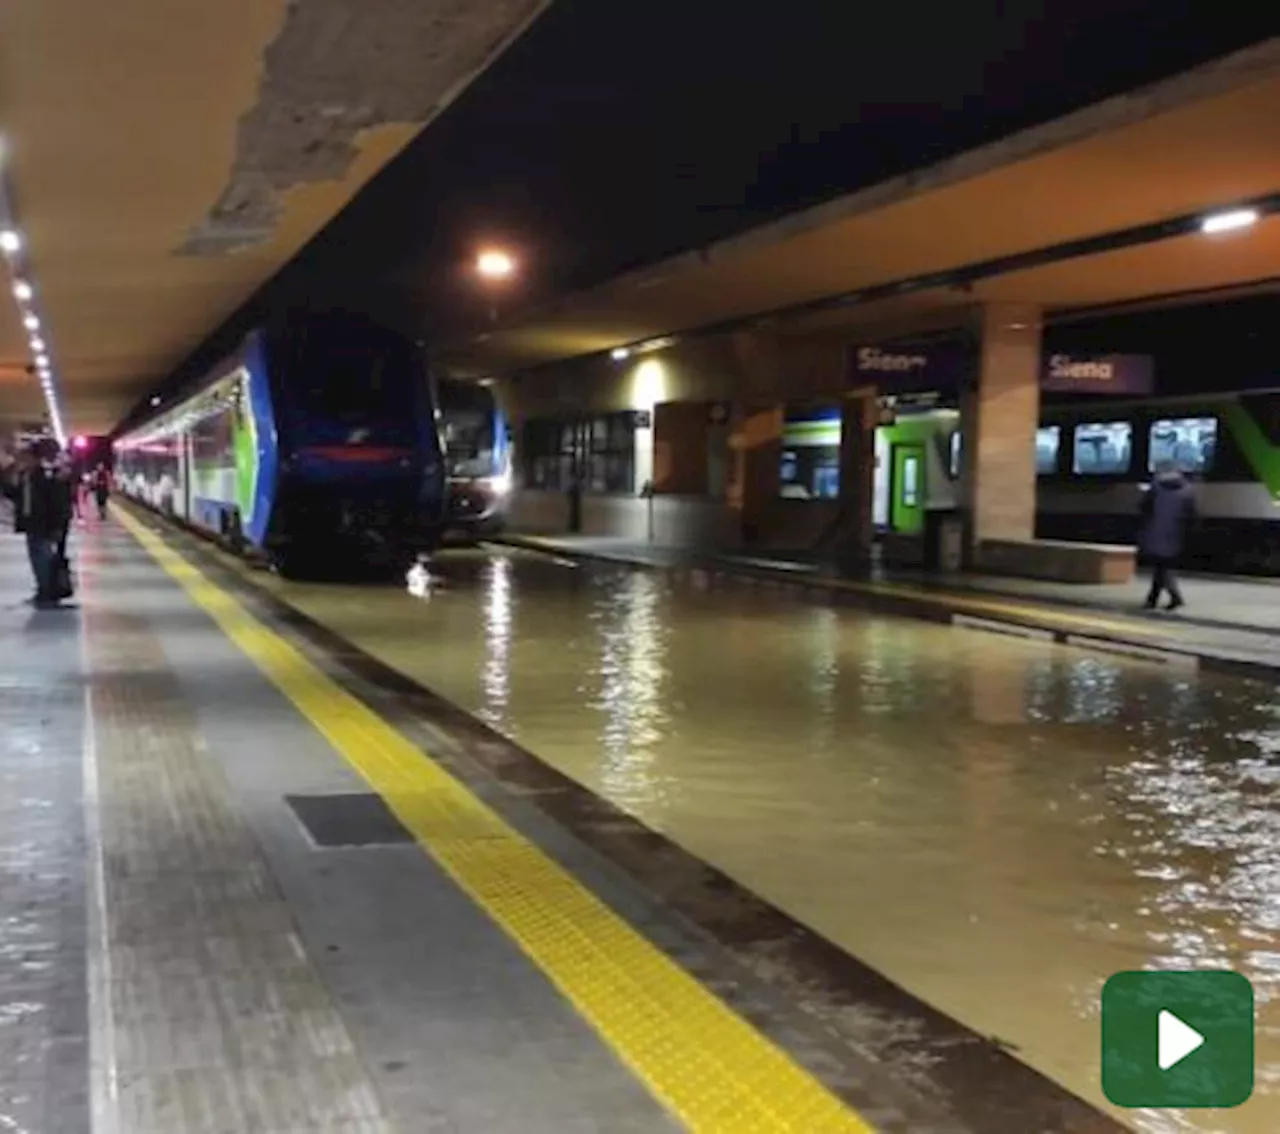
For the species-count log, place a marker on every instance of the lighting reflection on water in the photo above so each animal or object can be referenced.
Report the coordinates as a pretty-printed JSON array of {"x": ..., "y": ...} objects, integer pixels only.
[
  {"x": 631, "y": 677},
  {"x": 499, "y": 618},
  {"x": 996, "y": 824}
]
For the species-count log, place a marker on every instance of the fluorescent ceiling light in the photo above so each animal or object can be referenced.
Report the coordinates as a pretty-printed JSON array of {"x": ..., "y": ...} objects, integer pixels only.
[
  {"x": 619, "y": 353},
  {"x": 10, "y": 241},
  {"x": 31, "y": 322},
  {"x": 22, "y": 291},
  {"x": 1229, "y": 221}
]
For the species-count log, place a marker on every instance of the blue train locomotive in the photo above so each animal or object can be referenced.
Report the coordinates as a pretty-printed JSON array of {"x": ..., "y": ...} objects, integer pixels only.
[{"x": 317, "y": 438}]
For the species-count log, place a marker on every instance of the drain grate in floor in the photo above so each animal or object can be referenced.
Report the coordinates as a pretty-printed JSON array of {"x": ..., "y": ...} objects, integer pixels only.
[{"x": 348, "y": 820}]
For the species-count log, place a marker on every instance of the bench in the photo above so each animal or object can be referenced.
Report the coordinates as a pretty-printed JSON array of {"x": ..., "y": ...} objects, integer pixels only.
[{"x": 1061, "y": 561}]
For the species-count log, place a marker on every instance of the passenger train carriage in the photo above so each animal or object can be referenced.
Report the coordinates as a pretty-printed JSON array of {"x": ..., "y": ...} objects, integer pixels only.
[
  {"x": 317, "y": 438},
  {"x": 1094, "y": 460}
]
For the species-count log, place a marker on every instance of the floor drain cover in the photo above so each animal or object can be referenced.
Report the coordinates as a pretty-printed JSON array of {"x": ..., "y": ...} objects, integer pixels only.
[{"x": 348, "y": 820}]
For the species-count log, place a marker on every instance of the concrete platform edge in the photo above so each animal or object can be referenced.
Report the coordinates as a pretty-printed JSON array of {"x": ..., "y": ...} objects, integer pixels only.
[{"x": 925, "y": 604}]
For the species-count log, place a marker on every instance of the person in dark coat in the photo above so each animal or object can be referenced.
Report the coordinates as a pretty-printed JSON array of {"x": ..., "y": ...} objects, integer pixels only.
[
  {"x": 101, "y": 489},
  {"x": 1168, "y": 512},
  {"x": 42, "y": 507}
]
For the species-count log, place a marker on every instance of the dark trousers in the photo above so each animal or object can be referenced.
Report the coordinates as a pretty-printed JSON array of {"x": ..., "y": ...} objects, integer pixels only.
[
  {"x": 101, "y": 498},
  {"x": 42, "y": 550},
  {"x": 1164, "y": 578}
]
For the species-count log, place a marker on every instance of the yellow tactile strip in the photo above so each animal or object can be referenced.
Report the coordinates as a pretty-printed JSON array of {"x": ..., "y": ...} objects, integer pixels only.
[{"x": 706, "y": 1064}]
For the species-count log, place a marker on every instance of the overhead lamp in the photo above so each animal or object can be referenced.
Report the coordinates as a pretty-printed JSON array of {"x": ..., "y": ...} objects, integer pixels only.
[
  {"x": 31, "y": 322},
  {"x": 37, "y": 344},
  {"x": 495, "y": 264},
  {"x": 619, "y": 353},
  {"x": 155, "y": 399},
  {"x": 41, "y": 359},
  {"x": 10, "y": 242},
  {"x": 1229, "y": 220},
  {"x": 22, "y": 291}
]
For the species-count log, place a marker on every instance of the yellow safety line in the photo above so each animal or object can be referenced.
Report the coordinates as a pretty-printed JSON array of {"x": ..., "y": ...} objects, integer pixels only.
[
  {"x": 710, "y": 1068},
  {"x": 966, "y": 601}
]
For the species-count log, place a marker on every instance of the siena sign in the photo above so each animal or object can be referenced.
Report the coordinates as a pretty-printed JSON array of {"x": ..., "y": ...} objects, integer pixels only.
[
  {"x": 918, "y": 369},
  {"x": 1099, "y": 373}
]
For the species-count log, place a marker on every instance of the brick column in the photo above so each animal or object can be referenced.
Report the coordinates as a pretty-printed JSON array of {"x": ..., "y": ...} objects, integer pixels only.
[{"x": 998, "y": 420}]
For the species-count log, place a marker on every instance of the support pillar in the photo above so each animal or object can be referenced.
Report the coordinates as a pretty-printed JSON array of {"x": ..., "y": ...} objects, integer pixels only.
[
  {"x": 859, "y": 416},
  {"x": 998, "y": 418}
]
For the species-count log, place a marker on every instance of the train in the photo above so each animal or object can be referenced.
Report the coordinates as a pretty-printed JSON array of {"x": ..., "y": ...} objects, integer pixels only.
[
  {"x": 478, "y": 455},
  {"x": 1095, "y": 459},
  {"x": 316, "y": 439}
]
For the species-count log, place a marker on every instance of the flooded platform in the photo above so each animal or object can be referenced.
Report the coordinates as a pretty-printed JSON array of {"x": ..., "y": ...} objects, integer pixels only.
[
  {"x": 997, "y": 824},
  {"x": 672, "y": 851}
]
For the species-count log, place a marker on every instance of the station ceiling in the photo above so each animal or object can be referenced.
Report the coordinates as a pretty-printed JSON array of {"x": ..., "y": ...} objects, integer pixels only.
[
  {"x": 161, "y": 161},
  {"x": 1196, "y": 144}
]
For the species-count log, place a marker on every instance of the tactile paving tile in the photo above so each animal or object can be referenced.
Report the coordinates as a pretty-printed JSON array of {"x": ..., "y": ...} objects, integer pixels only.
[{"x": 219, "y": 1021}]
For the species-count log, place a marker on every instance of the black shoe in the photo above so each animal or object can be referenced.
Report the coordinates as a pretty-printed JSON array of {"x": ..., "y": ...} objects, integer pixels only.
[
  {"x": 1150, "y": 604},
  {"x": 1174, "y": 604}
]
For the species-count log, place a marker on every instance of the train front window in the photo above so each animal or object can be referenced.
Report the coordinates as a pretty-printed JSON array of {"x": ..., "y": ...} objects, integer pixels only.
[
  {"x": 467, "y": 423},
  {"x": 468, "y": 442},
  {"x": 1185, "y": 442},
  {"x": 352, "y": 380}
]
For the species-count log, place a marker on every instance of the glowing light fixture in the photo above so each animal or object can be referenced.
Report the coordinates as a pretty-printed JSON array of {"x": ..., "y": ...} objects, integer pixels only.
[
  {"x": 37, "y": 344},
  {"x": 10, "y": 242},
  {"x": 619, "y": 353},
  {"x": 1229, "y": 221},
  {"x": 31, "y": 322},
  {"x": 22, "y": 291},
  {"x": 495, "y": 264}
]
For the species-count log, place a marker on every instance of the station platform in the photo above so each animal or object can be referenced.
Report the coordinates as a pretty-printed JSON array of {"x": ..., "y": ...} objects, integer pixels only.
[
  {"x": 1229, "y": 624},
  {"x": 254, "y": 879}
]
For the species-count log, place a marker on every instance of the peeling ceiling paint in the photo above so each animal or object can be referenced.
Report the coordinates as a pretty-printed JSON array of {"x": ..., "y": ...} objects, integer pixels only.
[{"x": 335, "y": 71}]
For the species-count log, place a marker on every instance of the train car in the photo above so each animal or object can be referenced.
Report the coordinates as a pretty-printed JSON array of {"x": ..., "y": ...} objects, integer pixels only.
[
  {"x": 315, "y": 440},
  {"x": 477, "y": 443},
  {"x": 1098, "y": 458},
  {"x": 1094, "y": 460}
]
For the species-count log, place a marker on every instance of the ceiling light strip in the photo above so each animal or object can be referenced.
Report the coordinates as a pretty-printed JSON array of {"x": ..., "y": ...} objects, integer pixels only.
[{"x": 13, "y": 249}]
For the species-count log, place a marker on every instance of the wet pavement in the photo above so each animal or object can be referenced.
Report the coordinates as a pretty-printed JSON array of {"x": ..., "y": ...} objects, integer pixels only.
[{"x": 996, "y": 824}]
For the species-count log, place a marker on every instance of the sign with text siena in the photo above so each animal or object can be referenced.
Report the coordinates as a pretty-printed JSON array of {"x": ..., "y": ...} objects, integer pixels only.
[
  {"x": 910, "y": 370},
  {"x": 1099, "y": 373}
]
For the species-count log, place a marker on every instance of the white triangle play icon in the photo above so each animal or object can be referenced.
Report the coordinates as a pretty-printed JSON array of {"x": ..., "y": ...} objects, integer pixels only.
[{"x": 1176, "y": 1040}]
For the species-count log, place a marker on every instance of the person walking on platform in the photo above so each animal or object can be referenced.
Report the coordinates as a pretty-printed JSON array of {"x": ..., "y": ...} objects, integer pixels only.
[
  {"x": 101, "y": 489},
  {"x": 1168, "y": 512},
  {"x": 42, "y": 509}
]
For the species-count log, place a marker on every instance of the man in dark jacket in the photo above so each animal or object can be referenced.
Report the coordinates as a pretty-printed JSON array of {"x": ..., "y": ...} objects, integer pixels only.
[
  {"x": 42, "y": 509},
  {"x": 1168, "y": 511}
]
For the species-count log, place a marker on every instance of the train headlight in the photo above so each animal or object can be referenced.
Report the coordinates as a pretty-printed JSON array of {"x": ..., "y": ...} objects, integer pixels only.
[{"x": 499, "y": 485}]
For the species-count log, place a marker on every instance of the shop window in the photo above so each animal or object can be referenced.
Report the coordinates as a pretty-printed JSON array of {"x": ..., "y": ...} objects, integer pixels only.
[
  {"x": 810, "y": 466},
  {"x": 1186, "y": 442},
  {"x": 1048, "y": 441},
  {"x": 1102, "y": 448}
]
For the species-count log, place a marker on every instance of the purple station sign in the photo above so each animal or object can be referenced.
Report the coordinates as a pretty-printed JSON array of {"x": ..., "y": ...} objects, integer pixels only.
[
  {"x": 942, "y": 367},
  {"x": 911, "y": 370},
  {"x": 1099, "y": 373}
]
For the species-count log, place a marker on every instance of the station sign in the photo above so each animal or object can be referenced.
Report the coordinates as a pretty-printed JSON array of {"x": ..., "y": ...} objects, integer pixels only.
[
  {"x": 909, "y": 370},
  {"x": 1098, "y": 374}
]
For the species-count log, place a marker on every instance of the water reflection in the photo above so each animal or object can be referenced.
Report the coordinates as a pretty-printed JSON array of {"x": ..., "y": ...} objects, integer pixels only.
[
  {"x": 632, "y": 678},
  {"x": 495, "y": 675}
]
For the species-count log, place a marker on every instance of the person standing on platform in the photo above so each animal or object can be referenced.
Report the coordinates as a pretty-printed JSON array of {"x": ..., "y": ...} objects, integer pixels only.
[
  {"x": 1168, "y": 512},
  {"x": 42, "y": 509},
  {"x": 101, "y": 489}
]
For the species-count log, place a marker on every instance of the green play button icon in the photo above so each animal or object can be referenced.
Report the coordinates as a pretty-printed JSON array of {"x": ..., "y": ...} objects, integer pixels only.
[{"x": 1177, "y": 1039}]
